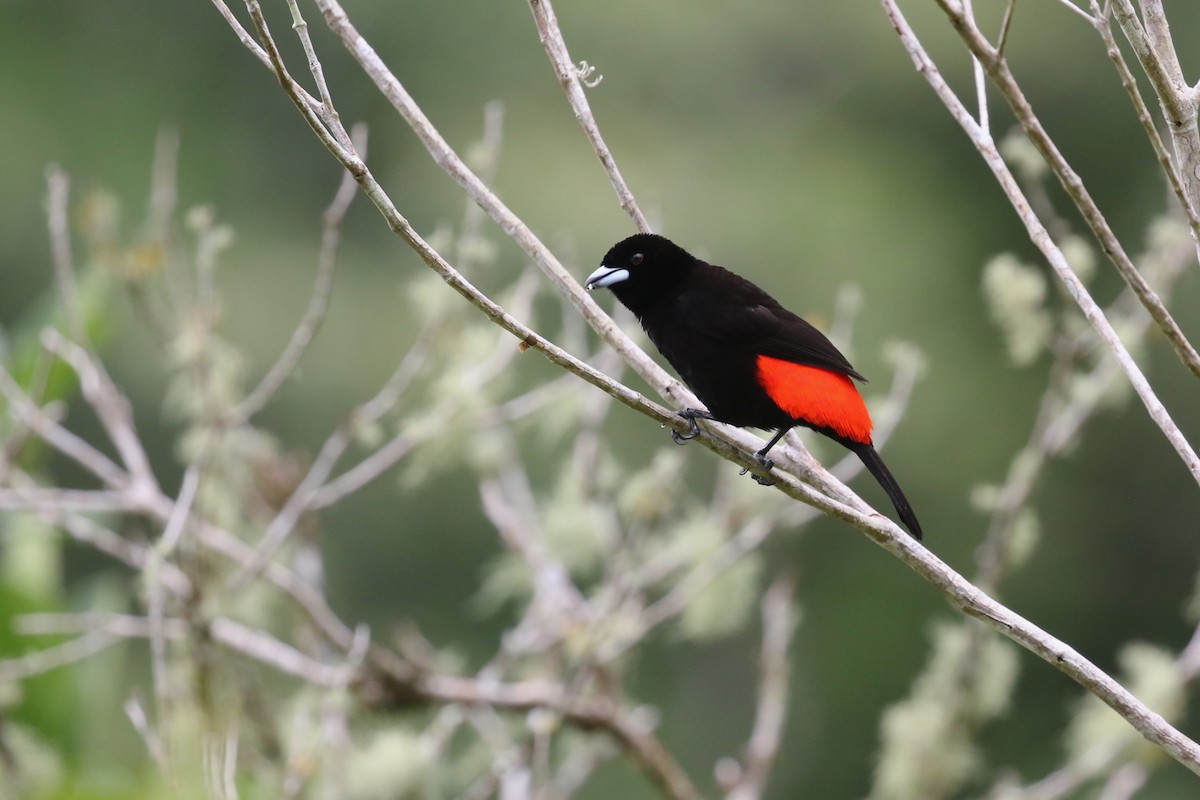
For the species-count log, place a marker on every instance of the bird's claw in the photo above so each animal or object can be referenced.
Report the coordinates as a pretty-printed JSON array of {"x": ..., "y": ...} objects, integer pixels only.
[
  {"x": 684, "y": 438},
  {"x": 690, "y": 414},
  {"x": 767, "y": 465}
]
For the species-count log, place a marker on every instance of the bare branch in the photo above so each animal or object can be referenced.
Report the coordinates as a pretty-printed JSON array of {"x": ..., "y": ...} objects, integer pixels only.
[
  {"x": 60, "y": 246},
  {"x": 264, "y": 648},
  {"x": 126, "y": 626},
  {"x": 42, "y": 661},
  {"x": 779, "y": 623},
  {"x": 64, "y": 500},
  {"x": 1070, "y": 5},
  {"x": 61, "y": 439},
  {"x": 1104, "y": 28},
  {"x": 328, "y": 112},
  {"x": 111, "y": 407},
  {"x": 1037, "y": 231},
  {"x": 509, "y": 222},
  {"x": 597, "y": 714},
  {"x": 141, "y": 723},
  {"x": 163, "y": 174},
  {"x": 1148, "y": 723},
  {"x": 1068, "y": 779},
  {"x": 998, "y": 70},
  {"x": 569, "y": 75},
  {"x": 1125, "y": 782},
  {"x": 135, "y": 555},
  {"x": 248, "y": 42},
  {"x": 304, "y": 332},
  {"x": 1005, "y": 25}
]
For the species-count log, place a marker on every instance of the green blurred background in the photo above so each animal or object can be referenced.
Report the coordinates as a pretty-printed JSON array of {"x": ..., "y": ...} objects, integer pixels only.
[{"x": 790, "y": 141}]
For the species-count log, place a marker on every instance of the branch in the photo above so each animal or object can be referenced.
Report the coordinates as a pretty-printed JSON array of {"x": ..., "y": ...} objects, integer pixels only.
[
  {"x": 779, "y": 624},
  {"x": 60, "y": 246},
  {"x": 111, "y": 407},
  {"x": 570, "y": 76},
  {"x": 974, "y": 602},
  {"x": 266, "y": 649},
  {"x": 998, "y": 71},
  {"x": 1151, "y": 40},
  {"x": 58, "y": 437},
  {"x": 322, "y": 289},
  {"x": 453, "y": 165},
  {"x": 1102, "y": 23},
  {"x": 39, "y": 662},
  {"x": 596, "y": 714},
  {"x": 1036, "y": 230}
]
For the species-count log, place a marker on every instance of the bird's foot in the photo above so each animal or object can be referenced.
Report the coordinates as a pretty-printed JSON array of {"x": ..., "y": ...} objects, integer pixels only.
[
  {"x": 691, "y": 415},
  {"x": 767, "y": 465}
]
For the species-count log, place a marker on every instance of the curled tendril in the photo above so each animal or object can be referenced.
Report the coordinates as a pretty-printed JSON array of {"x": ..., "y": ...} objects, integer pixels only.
[{"x": 587, "y": 75}]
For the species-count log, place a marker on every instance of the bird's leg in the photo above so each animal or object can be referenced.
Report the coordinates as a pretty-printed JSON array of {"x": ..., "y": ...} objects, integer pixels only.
[
  {"x": 764, "y": 462},
  {"x": 691, "y": 415}
]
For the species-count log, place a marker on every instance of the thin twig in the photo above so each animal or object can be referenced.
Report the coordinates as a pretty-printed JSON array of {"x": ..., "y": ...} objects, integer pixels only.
[
  {"x": 1178, "y": 103},
  {"x": 182, "y": 509},
  {"x": 779, "y": 624},
  {"x": 60, "y": 246},
  {"x": 570, "y": 77},
  {"x": 1005, "y": 25},
  {"x": 137, "y": 556},
  {"x": 164, "y": 194},
  {"x": 127, "y": 626},
  {"x": 446, "y": 158},
  {"x": 248, "y": 42},
  {"x": 308, "y": 326},
  {"x": 40, "y": 662},
  {"x": 111, "y": 407},
  {"x": 1103, "y": 26},
  {"x": 1125, "y": 782},
  {"x": 1070, "y": 5},
  {"x": 597, "y": 714},
  {"x": 266, "y": 649},
  {"x": 58, "y": 437},
  {"x": 332, "y": 120},
  {"x": 136, "y": 713},
  {"x": 64, "y": 500}
]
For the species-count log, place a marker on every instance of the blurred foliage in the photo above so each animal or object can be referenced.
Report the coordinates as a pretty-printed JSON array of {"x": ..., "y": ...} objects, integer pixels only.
[{"x": 791, "y": 142}]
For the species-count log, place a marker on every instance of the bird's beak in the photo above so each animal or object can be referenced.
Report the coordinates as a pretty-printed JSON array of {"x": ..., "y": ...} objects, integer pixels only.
[{"x": 606, "y": 276}]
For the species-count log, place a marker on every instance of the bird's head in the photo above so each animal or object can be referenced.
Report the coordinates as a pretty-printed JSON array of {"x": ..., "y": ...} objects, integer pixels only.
[{"x": 641, "y": 269}]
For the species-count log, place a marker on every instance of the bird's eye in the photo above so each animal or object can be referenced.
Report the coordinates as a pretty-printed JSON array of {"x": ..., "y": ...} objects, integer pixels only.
[{"x": 637, "y": 259}]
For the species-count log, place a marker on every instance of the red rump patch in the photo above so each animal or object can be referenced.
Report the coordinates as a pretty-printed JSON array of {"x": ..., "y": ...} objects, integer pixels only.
[{"x": 818, "y": 396}]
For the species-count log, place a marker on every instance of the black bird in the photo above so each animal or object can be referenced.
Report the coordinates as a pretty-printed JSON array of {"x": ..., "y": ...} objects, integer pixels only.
[{"x": 753, "y": 363}]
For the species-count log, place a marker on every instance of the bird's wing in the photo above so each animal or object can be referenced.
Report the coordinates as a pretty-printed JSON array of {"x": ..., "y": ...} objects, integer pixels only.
[{"x": 737, "y": 312}]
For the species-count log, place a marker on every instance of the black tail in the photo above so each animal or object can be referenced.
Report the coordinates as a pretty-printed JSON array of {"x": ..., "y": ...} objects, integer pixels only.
[{"x": 882, "y": 474}]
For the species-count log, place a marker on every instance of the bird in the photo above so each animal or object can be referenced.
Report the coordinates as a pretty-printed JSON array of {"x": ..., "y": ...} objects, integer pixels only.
[{"x": 749, "y": 360}]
